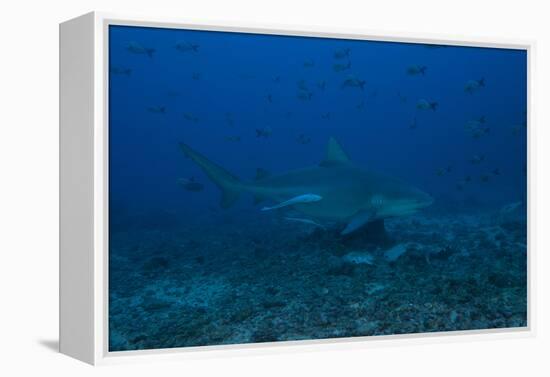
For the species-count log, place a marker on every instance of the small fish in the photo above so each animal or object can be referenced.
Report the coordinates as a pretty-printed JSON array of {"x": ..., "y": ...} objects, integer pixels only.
[
  {"x": 196, "y": 76},
  {"x": 415, "y": 70},
  {"x": 187, "y": 47},
  {"x": 474, "y": 85},
  {"x": 476, "y": 127},
  {"x": 303, "y": 139},
  {"x": 360, "y": 105},
  {"x": 269, "y": 98},
  {"x": 477, "y": 133},
  {"x": 305, "y": 221},
  {"x": 309, "y": 63},
  {"x": 117, "y": 70},
  {"x": 423, "y": 104},
  {"x": 342, "y": 53},
  {"x": 484, "y": 178},
  {"x": 475, "y": 123},
  {"x": 277, "y": 79},
  {"x": 190, "y": 184},
  {"x": 443, "y": 171},
  {"x": 263, "y": 132},
  {"x": 477, "y": 159},
  {"x": 325, "y": 116},
  {"x": 300, "y": 199},
  {"x": 157, "y": 109},
  {"x": 462, "y": 183},
  {"x": 190, "y": 117},
  {"x": 136, "y": 48},
  {"x": 233, "y": 139},
  {"x": 338, "y": 67},
  {"x": 304, "y": 95},
  {"x": 321, "y": 85},
  {"x": 511, "y": 207},
  {"x": 353, "y": 82},
  {"x": 495, "y": 171}
]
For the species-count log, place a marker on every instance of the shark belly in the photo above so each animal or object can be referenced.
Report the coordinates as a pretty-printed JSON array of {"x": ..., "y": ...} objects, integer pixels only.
[{"x": 332, "y": 208}]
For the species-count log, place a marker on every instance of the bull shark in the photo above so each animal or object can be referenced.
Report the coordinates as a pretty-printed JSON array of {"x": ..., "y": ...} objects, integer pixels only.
[{"x": 342, "y": 192}]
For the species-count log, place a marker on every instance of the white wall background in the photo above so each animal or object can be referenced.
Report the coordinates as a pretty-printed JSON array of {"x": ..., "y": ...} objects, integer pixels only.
[{"x": 29, "y": 184}]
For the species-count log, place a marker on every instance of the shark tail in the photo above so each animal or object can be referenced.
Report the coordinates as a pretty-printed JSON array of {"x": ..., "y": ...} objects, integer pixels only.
[{"x": 228, "y": 183}]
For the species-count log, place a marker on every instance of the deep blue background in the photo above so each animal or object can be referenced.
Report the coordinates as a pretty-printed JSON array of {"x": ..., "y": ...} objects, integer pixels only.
[{"x": 237, "y": 73}]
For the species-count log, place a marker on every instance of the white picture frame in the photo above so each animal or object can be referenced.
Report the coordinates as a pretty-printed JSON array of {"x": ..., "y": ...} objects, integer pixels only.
[{"x": 84, "y": 190}]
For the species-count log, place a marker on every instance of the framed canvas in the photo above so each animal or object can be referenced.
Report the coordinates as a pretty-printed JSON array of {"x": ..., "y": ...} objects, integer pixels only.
[{"x": 236, "y": 187}]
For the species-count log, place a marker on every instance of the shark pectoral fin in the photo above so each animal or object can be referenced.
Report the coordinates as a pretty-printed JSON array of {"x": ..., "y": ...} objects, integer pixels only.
[
  {"x": 357, "y": 221},
  {"x": 306, "y": 221}
]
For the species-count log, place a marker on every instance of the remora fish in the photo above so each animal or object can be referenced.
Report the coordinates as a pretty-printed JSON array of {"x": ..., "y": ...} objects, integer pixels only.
[
  {"x": 305, "y": 198},
  {"x": 349, "y": 194},
  {"x": 305, "y": 221}
]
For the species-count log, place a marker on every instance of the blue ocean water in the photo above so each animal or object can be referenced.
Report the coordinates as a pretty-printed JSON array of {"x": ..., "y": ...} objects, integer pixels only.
[{"x": 448, "y": 120}]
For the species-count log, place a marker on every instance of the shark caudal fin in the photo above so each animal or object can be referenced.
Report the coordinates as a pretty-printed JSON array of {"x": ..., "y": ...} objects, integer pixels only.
[{"x": 228, "y": 183}]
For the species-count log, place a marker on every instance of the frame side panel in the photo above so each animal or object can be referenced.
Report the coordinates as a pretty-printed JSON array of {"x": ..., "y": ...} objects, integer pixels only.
[{"x": 76, "y": 138}]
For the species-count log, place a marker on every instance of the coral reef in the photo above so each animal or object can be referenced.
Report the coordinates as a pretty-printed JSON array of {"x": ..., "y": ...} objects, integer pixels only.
[{"x": 278, "y": 281}]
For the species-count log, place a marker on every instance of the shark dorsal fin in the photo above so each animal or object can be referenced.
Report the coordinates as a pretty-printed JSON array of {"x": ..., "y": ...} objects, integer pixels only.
[{"x": 335, "y": 154}]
